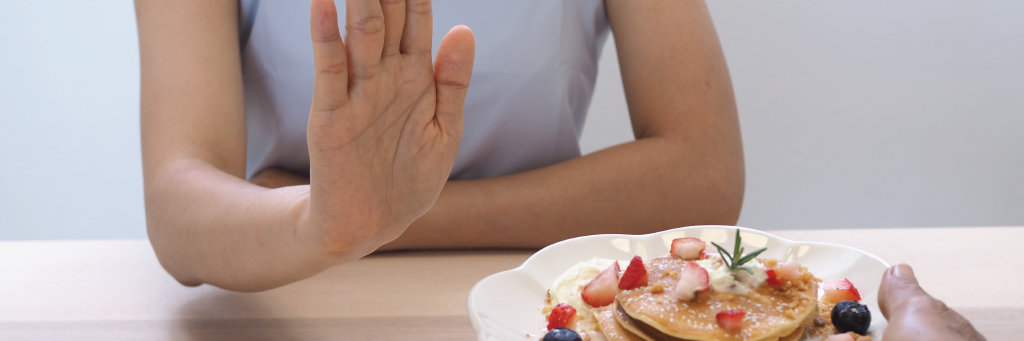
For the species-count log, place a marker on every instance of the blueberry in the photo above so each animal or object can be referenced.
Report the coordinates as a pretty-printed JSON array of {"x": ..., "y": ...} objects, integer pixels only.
[
  {"x": 850, "y": 316},
  {"x": 562, "y": 334}
]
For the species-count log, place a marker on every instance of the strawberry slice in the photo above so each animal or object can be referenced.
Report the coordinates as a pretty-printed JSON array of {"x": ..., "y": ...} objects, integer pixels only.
[
  {"x": 562, "y": 316},
  {"x": 688, "y": 248},
  {"x": 601, "y": 291},
  {"x": 731, "y": 320},
  {"x": 693, "y": 279},
  {"x": 635, "y": 275},
  {"x": 773, "y": 279},
  {"x": 840, "y": 290},
  {"x": 788, "y": 271}
]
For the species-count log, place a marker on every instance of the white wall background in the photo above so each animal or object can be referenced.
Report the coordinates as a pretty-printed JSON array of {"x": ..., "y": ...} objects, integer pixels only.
[{"x": 866, "y": 114}]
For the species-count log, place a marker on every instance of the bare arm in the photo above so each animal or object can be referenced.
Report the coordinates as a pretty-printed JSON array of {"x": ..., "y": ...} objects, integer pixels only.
[
  {"x": 208, "y": 225},
  {"x": 204, "y": 221},
  {"x": 685, "y": 167}
]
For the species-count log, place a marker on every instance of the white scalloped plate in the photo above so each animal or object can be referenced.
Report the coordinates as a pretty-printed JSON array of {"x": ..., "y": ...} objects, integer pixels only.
[{"x": 507, "y": 305}]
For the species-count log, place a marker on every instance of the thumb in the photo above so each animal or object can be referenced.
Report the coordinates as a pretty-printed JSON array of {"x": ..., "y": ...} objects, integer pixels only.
[
  {"x": 915, "y": 315},
  {"x": 453, "y": 68},
  {"x": 899, "y": 286}
]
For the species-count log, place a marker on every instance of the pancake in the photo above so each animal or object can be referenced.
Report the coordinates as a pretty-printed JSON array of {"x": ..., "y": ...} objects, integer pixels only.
[
  {"x": 771, "y": 312},
  {"x": 611, "y": 328},
  {"x": 638, "y": 328}
]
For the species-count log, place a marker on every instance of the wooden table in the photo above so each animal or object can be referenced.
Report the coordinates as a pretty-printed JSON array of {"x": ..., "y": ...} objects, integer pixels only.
[{"x": 105, "y": 290}]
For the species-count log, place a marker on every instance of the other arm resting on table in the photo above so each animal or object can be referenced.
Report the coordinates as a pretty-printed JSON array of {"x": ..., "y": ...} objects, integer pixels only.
[{"x": 685, "y": 167}]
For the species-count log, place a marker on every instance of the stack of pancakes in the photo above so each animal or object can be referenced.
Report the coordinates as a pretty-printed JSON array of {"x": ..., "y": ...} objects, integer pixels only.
[{"x": 651, "y": 313}]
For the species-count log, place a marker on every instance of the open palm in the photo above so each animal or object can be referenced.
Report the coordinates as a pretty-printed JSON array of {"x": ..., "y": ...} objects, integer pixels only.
[{"x": 385, "y": 122}]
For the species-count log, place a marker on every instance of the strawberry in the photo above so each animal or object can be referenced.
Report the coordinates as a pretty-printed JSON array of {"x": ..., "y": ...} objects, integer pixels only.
[
  {"x": 788, "y": 271},
  {"x": 731, "y": 320},
  {"x": 688, "y": 248},
  {"x": 601, "y": 291},
  {"x": 635, "y": 275},
  {"x": 840, "y": 290},
  {"x": 700, "y": 274},
  {"x": 773, "y": 279},
  {"x": 562, "y": 316},
  {"x": 693, "y": 279}
]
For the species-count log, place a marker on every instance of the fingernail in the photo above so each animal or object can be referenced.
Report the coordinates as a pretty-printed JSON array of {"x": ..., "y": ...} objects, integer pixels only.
[{"x": 904, "y": 272}]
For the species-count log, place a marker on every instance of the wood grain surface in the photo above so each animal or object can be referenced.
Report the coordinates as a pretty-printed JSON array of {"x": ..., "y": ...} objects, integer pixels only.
[{"x": 116, "y": 290}]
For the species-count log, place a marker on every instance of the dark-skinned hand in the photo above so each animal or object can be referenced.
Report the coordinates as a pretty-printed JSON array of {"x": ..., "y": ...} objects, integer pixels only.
[{"x": 915, "y": 315}]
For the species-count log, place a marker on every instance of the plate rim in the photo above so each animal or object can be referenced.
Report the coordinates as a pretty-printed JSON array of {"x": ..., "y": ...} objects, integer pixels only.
[{"x": 474, "y": 316}]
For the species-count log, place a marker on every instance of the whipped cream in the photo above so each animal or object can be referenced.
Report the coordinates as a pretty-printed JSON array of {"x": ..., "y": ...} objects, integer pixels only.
[
  {"x": 721, "y": 279},
  {"x": 568, "y": 288}
]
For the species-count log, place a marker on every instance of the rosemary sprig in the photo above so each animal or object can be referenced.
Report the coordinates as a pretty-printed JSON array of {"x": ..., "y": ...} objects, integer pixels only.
[{"x": 737, "y": 251}]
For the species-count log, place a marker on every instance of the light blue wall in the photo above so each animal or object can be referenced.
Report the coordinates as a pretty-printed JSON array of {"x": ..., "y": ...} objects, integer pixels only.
[
  {"x": 69, "y": 123},
  {"x": 866, "y": 114}
]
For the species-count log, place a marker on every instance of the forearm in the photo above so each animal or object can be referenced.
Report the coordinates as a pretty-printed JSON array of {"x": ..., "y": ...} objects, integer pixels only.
[
  {"x": 643, "y": 186},
  {"x": 381, "y": 141},
  {"x": 208, "y": 226}
]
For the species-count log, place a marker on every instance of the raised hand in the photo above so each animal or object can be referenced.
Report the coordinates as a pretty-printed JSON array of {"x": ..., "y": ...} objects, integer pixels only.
[
  {"x": 385, "y": 123},
  {"x": 915, "y": 315}
]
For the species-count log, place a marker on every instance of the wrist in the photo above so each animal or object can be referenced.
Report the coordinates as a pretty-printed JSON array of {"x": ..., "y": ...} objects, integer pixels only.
[
  {"x": 311, "y": 232},
  {"x": 341, "y": 232}
]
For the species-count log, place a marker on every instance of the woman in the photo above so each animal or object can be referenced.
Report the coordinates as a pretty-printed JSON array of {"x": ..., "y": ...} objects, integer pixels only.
[{"x": 380, "y": 138}]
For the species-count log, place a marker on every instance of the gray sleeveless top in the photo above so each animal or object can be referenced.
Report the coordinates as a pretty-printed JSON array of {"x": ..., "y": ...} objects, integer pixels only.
[{"x": 536, "y": 63}]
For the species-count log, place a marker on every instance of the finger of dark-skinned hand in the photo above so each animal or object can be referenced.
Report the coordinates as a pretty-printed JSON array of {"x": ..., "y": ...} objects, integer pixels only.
[
  {"x": 898, "y": 285},
  {"x": 913, "y": 314},
  {"x": 419, "y": 29},
  {"x": 330, "y": 83},
  {"x": 453, "y": 69},
  {"x": 394, "y": 23},
  {"x": 364, "y": 37}
]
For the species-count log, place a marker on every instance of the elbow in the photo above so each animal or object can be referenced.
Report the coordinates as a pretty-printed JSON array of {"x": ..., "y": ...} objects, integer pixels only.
[
  {"x": 167, "y": 263},
  {"x": 715, "y": 196},
  {"x": 159, "y": 228},
  {"x": 165, "y": 253},
  {"x": 720, "y": 203},
  {"x": 729, "y": 204},
  {"x": 725, "y": 197},
  {"x": 723, "y": 178}
]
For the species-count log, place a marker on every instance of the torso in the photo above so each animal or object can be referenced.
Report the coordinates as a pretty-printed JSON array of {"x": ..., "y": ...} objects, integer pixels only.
[{"x": 536, "y": 63}]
